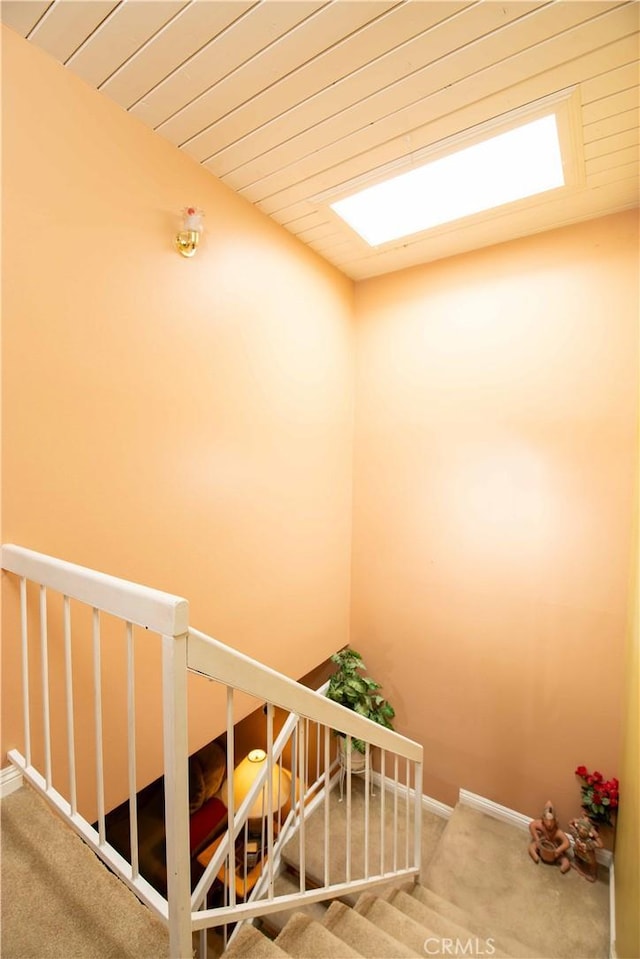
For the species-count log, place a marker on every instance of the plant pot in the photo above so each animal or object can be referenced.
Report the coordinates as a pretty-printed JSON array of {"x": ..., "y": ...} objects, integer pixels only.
[{"x": 358, "y": 759}]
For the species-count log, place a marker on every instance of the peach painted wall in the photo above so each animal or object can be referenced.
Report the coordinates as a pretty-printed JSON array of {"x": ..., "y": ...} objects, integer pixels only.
[
  {"x": 183, "y": 423},
  {"x": 494, "y": 468}
]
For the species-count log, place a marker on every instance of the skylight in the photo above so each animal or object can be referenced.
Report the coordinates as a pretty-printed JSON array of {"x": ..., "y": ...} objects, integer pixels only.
[{"x": 511, "y": 166}]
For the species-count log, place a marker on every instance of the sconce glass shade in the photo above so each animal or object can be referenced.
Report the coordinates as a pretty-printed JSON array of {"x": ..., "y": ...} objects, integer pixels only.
[
  {"x": 189, "y": 236},
  {"x": 245, "y": 774}
]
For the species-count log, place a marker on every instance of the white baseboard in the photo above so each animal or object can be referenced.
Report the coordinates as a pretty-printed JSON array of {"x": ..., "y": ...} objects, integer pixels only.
[
  {"x": 10, "y": 780},
  {"x": 430, "y": 805},
  {"x": 437, "y": 807},
  {"x": 503, "y": 813},
  {"x": 518, "y": 819}
]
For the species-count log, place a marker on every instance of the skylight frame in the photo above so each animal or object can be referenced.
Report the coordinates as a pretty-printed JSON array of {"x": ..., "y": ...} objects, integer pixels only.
[{"x": 566, "y": 107}]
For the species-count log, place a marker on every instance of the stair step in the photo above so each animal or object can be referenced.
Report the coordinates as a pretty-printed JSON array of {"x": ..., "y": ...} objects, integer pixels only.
[
  {"x": 249, "y": 943},
  {"x": 444, "y": 906},
  {"x": 274, "y": 922},
  {"x": 443, "y": 927},
  {"x": 395, "y": 923},
  {"x": 363, "y": 936},
  {"x": 304, "y": 938},
  {"x": 449, "y": 910}
]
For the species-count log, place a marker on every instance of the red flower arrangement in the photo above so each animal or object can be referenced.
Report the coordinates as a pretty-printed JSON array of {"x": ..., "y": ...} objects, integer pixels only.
[{"x": 599, "y": 796}]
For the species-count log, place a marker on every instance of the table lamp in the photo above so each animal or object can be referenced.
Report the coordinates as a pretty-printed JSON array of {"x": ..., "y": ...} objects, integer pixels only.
[{"x": 244, "y": 776}]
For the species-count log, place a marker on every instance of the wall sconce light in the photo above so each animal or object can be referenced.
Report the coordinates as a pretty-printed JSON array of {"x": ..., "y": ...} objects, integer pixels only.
[{"x": 189, "y": 236}]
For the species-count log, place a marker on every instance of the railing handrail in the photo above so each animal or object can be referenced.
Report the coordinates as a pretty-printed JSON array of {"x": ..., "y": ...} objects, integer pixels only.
[
  {"x": 186, "y": 649},
  {"x": 213, "y": 659},
  {"x": 152, "y": 609}
]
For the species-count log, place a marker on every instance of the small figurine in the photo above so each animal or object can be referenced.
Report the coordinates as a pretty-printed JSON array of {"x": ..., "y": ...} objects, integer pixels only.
[
  {"x": 549, "y": 843},
  {"x": 586, "y": 841}
]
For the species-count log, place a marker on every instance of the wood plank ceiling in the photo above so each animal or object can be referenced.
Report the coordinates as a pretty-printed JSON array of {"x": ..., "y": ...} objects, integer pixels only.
[{"x": 285, "y": 100}]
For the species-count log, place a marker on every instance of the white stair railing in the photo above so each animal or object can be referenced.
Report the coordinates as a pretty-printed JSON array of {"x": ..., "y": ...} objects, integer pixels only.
[{"x": 311, "y": 719}]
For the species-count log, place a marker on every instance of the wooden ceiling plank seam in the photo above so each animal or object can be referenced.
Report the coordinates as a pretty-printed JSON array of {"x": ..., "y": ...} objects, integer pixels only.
[
  {"x": 246, "y": 118},
  {"x": 478, "y": 20},
  {"x": 118, "y": 37},
  {"x": 294, "y": 210},
  {"x": 611, "y": 81},
  {"x": 23, "y": 17},
  {"x": 619, "y": 141},
  {"x": 626, "y": 172},
  {"x": 330, "y": 251},
  {"x": 303, "y": 221},
  {"x": 65, "y": 26},
  {"x": 122, "y": 87},
  {"x": 339, "y": 129},
  {"x": 317, "y": 232},
  {"x": 46, "y": 15},
  {"x": 313, "y": 169},
  {"x": 262, "y": 25},
  {"x": 626, "y": 99},
  {"x": 321, "y": 32},
  {"x": 617, "y": 123},
  {"x": 611, "y": 160}
]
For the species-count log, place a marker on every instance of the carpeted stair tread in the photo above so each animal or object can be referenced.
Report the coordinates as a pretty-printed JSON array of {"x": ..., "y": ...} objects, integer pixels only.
[
  {"x": 58, "y": 899},
  {"x": 363, "y": 936},
  {"x": 449, "y": 910},
  {"x": 395, "y": 923},
  {"x": 286, "y": 884},
  {"x": 441, "y": 926},
  {"x": 481, "y": 864},
  {"x": 445, "y": 907},
  {"x": 251, "y": 944},
  {"x": 304, "y": 938}
]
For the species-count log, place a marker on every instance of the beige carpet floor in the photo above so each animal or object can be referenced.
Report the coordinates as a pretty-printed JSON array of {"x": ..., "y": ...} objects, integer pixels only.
[
  {"x": 81, "y": 911},
  {"x": 482, "y": 865},
  {"x": 432, "y": 827}
]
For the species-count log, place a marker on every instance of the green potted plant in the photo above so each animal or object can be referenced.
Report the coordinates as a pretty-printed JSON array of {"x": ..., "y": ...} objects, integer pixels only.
[{"x": 349, "y": 687}]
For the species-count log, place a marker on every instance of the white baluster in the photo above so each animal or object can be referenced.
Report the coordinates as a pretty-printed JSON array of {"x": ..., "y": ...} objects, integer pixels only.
[
  {"x": 24, "y": 637},
  {"x": 303, "y": 791},
  {"x": 71, "y": 749},
  {"x": 327, "y": 815},
  {"x": 230, "y": 799},
  {"x": 383, "y": 795},
  {"x": 131, "y": 746},
  {"x": 366, "y": 809},
  {"x": 406, "y": 814},
  {"x": 417, "y": 840},
  {"x": 97, "y": 699},
  {"x": 270, "y": 798},
  {"x": 176, "y": 792},
  {"x": 348, "y": 837},
  {"x": 395, "y": 812},
  {"x": 46, "y": 712}
]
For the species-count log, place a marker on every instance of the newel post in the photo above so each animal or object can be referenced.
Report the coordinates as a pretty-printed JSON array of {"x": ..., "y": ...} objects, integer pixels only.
[{"x": 176, "y": 794}]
